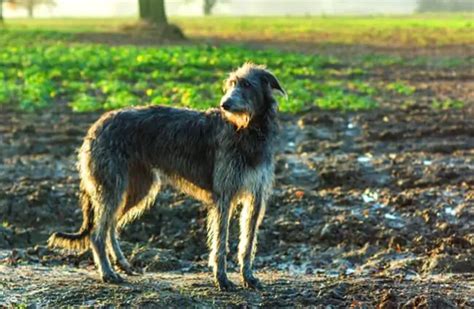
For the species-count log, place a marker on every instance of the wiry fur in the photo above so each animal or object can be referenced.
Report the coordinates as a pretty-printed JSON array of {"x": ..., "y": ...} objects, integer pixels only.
[{"x": 222, "y": 157}]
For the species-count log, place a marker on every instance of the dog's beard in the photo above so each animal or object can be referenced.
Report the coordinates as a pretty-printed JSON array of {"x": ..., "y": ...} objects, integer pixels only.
[{"x": 240, "y": 120}]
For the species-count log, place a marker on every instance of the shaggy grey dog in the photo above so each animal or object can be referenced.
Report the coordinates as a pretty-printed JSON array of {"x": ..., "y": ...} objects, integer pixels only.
[{"x": 222, "y": 157}]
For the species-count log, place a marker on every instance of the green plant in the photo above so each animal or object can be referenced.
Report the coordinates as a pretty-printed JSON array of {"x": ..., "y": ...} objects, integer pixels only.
[
  {"x": 345, "y": 101},
  {"x": 84, "y": 102},
  {"x": 41, "y": 68},
  {"x": 38, "y": 73},
  {"x": 447, "y": 104},
  {"x": 401, "y": 87}
]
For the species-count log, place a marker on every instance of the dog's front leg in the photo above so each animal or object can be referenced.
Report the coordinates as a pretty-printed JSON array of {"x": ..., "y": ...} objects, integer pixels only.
[
  {"x": 252, "y": 214},
  {"x": 219, "y": 217}
]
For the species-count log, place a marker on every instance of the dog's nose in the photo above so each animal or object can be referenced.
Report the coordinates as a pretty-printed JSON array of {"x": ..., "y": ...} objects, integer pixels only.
[{"x": 226, "y": 105}]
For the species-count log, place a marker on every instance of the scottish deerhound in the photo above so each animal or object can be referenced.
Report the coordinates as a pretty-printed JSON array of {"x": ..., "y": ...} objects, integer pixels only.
[{"x": 222, "y": 157}]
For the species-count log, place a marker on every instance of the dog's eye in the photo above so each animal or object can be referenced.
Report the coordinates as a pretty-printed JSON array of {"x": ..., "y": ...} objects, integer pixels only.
[{"x": 245, "y": 83}]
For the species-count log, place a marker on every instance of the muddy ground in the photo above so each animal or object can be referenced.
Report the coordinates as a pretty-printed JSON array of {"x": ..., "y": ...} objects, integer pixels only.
[{"x": 371, "y": 208}]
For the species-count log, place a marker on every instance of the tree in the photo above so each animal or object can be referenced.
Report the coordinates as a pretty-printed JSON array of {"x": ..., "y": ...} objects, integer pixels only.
[
  {"x": 445, "y": 6},
  {"x": 153, "y": 12},
  {"x": 30, "y": 5},
  {"x": 208, "y": 5},
  {"x": 1, "y": 11}
]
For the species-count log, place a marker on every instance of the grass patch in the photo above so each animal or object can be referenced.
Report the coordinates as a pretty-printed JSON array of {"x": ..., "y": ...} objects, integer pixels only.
[
  {"x": 415, "y": 30},
  {"x": 41, "y": 63},
  {"x": 408, "y": 31},
  {"x": 67, "y": 25},
  {"x": 37, "y": 71}
]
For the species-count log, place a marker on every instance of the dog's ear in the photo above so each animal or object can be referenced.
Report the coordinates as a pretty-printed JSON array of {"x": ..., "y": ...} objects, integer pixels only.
[{"x": 273, "y": 83}]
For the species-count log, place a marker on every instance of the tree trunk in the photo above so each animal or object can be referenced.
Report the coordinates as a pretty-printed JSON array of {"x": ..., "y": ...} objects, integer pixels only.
[
  {"x": 1, "y": 11},
  {"x": 29, "y": 7},
  {"x": 208, "y": 5},
  {"x": 143, "y": 9},
  {"x": 153, "y": 11}
]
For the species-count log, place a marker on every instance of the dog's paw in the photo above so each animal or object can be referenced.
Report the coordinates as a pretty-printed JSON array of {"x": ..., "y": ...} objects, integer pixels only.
[
  {"x": 137, "y": 271},
  {"x": 128, "y": 269},
  {"x": 250, "y": 282},
  {"x": 224, "y": 284},
  {"x": 112, "y": 278}
]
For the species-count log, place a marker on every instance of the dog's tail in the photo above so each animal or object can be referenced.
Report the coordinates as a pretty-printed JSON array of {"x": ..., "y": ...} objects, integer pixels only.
[{"x": 78, "y": 241}]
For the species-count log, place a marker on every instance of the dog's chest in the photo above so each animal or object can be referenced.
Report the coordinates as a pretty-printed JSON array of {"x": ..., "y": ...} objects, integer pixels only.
[
  {"x": 254, "y": 153},
  {"x": 258, "y": 178}
]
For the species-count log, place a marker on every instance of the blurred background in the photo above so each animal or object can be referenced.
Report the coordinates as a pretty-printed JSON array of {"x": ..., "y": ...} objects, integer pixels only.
[
  {"x": 373, "y": 204},
  {"x": 129, "y": 8}
]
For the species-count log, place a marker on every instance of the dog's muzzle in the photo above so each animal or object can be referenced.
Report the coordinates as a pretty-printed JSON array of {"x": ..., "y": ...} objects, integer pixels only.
[
  {"x": 238, "y": 115},
  {"x": 226, "y": 105}
]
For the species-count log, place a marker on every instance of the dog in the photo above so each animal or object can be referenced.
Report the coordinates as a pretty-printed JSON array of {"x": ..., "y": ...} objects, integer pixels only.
[{"x": 222, "y": 157}]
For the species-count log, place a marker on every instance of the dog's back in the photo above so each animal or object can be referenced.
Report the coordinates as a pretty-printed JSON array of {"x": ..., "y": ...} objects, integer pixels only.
[{"x": 177, "y": 142}]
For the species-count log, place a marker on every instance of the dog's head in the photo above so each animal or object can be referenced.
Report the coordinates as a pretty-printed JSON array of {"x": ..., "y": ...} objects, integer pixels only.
[{"x": 249, "y": 93}]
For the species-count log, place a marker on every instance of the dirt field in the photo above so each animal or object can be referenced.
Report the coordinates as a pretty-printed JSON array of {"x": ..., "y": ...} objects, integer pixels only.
[{"x": 373, "y": 208}]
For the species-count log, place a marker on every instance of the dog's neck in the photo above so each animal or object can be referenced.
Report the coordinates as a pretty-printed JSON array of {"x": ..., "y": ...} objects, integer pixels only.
[
  {"x": 264, "y": 124},
  {"x": 264, "y": 118}
]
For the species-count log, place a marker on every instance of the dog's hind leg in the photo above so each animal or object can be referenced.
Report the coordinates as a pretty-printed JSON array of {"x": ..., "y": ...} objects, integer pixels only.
[
  {"x": 98, "y": 243},
  {"x": 106, "y": 206},
  {"x": 116, "y": 253},
  {"x": 252, "y": 214},
  {"x": 218, "y": 230},
  {"x": 143, "y": 186}
]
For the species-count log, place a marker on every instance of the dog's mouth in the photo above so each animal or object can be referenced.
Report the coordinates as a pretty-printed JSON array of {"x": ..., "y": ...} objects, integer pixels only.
[{"x": 239, "y": 119}]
